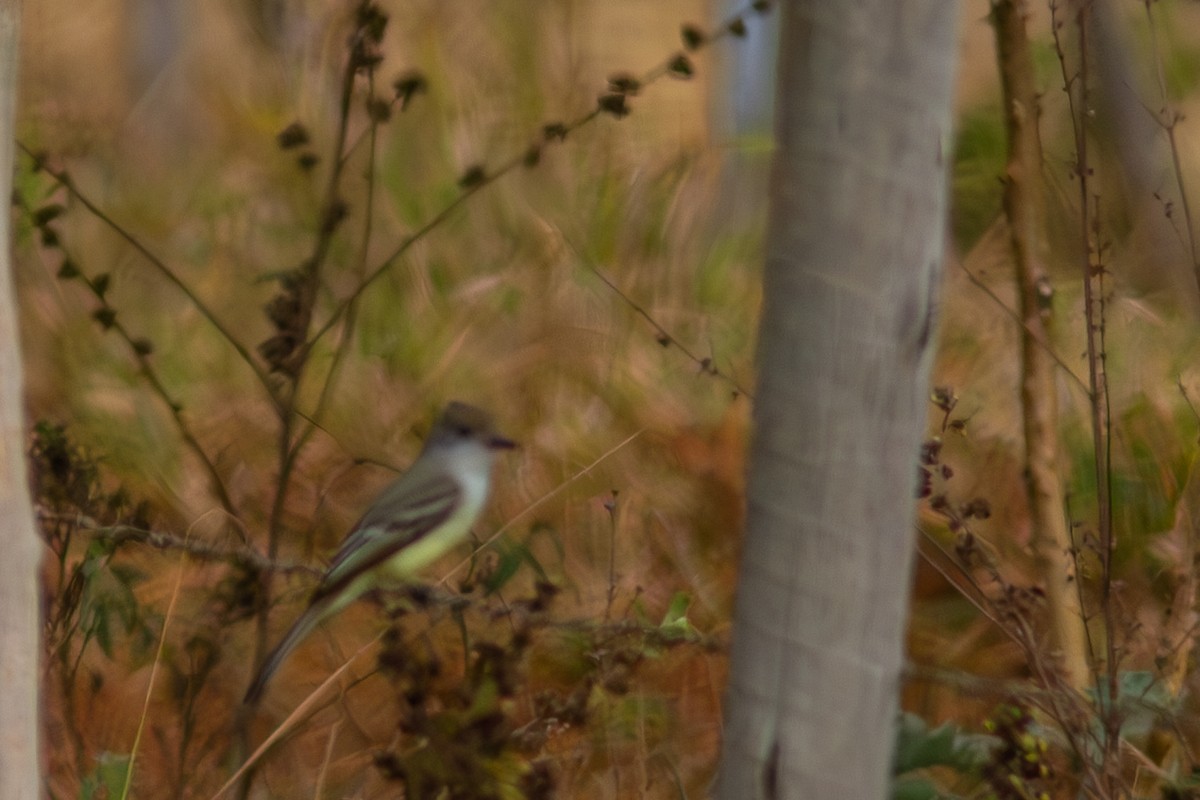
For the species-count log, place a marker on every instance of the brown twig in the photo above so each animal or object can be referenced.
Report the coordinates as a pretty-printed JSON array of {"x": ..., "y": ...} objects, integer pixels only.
[{"x": 63, "y": 179}]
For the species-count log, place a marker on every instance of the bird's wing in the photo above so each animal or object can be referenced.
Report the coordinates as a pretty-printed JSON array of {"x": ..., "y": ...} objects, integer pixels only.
[{"x": 403, "y": 514}]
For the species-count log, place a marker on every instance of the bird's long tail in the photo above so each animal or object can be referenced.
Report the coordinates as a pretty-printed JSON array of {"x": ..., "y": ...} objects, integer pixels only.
[{"x": 299, "y": 630}]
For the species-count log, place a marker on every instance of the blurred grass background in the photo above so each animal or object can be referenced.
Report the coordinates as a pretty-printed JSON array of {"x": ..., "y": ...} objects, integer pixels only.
[
  {"x": 166, "y": 115},
  {"x": 1152, "y": 349}
]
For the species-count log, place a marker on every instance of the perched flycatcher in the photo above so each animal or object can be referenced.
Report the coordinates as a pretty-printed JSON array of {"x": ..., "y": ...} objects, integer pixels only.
[{"x": 427, "y": 511}]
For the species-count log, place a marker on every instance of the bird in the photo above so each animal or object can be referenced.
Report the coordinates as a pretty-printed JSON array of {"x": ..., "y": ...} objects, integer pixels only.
[{"x": 414, "y": 521}]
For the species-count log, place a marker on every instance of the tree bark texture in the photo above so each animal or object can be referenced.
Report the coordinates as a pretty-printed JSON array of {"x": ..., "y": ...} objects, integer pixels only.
[
  {"x": 20, "y": 761},
  {"x": 854, "y": 253}
]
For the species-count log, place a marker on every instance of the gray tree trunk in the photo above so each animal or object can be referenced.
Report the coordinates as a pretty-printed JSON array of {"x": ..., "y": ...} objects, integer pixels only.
[
  {"x": 863, "y": 121},
  {"x": 20, "y": 762}
]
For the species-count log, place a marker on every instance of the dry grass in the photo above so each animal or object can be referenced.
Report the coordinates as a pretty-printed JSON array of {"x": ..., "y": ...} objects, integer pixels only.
[
  {"x": 627, "y": 492},
  {"x": 500, "y": 306}
]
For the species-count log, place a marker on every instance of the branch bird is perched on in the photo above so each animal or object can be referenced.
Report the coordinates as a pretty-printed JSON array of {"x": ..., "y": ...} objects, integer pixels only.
[{"x": 424, "y": 513}]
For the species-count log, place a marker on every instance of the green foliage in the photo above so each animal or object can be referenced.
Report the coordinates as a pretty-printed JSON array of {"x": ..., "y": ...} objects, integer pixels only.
[
  {"x": 1150, "y": 465},
  {"x": 462, "y": 734},
  {"x": 675, "y": 625},
  {"x": 98, "y": 597},
  {"x": 978, "y": 165},
  {"x": 919, "y": 749},
  {"x": 1182, "y": 69},
  {"x": 107, "y": 780},
  {"x": 109, "y": 607},
  {"x": 471, "y": 737},
  {"x": 917, "y": 789},
  {"x": 1171, "y": 46},
  {"x": 512, "y": 555},
  {"x": 64, "y": 476},
  {"x": 639, "y": 720},
  {"x": 1143, "y": 703}
]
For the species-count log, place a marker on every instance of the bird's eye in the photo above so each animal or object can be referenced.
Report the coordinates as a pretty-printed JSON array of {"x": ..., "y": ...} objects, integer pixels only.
[{"x": 463, "y": 431}]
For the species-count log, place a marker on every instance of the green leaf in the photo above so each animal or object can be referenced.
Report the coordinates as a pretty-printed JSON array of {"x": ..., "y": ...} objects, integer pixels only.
[
  {"x": 108, "y": 601},
  {"x": 128, "y": 575},
  {"x": 678, "y": 608},
  {"x": 108, "y": 779},
  {"x": 919, "y": 747},
  {"x": 675, "y": 623},
  {"x": 914, "y": 789},
  {"x": 511, "y": 558},
  {"x": 97, "y": 625},
  {"x": 1142, "y": 701},
  {"x": 97, "y": 550}
]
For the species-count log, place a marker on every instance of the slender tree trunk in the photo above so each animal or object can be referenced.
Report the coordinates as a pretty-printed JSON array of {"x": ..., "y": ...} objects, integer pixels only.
[
  {"x": 20, "y": 761},
  {"x": 854, "y": 253},
  {"x": 1024, "y": 208}
]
